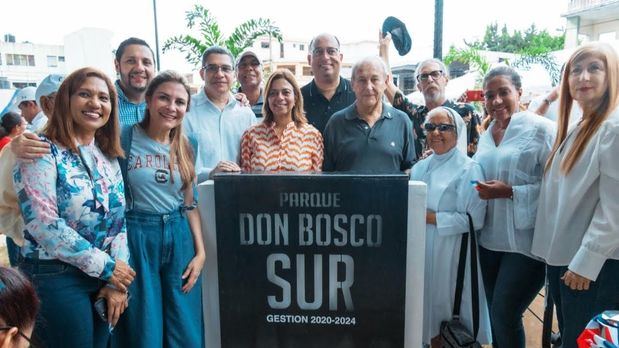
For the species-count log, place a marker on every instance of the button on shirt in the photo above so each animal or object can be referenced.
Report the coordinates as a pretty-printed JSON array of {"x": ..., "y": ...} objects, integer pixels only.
[
  {"x": 218, "y": 131},
  {"x": 128, "y": 113},
  {"x": 352, "y": 145},
  {"x": 318, "y": 109}
]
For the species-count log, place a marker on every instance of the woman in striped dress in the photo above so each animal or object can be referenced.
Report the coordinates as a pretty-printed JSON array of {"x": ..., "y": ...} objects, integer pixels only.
[{"x": 284, "y": 141}]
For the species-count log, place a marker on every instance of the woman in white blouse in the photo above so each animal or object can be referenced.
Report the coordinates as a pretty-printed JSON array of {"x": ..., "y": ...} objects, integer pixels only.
[
  {"x": 512, "y": 153},
  {"x": 448, "y": 172},
  {"x": 577, "y": 227}
]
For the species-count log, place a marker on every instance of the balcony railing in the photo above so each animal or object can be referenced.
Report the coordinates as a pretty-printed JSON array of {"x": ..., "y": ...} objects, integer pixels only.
[{"x": 580, "y": 5}]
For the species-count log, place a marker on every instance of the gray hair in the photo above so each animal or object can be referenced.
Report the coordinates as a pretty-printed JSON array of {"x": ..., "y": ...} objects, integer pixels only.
[
  {"x": 440, "y": 63},
  {"x": 374, "y": 60},
  {"x": 503, "y": 70},
  {"x": 217, "y": 50},
  {"x": 311, "y": 44}
]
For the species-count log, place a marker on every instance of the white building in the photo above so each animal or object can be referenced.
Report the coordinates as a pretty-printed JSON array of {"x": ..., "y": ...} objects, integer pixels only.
[
  {"x": 591, "y": 20},
  {"x": 26, "y": 64}
]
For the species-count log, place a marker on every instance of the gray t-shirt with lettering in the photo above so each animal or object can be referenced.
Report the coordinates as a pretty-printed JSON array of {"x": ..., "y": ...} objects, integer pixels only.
[{"x": 148, "y": 174}]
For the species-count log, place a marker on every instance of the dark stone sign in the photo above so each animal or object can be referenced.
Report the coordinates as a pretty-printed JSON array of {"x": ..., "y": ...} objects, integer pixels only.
[{"x": 311, "y": 260}]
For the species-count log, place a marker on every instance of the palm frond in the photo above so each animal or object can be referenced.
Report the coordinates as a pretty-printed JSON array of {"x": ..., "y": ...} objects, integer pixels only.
[
  {"x": 245, "y": 34},
  {"x": 546, "y": 60},
  {"x": 189, "y": 45}
]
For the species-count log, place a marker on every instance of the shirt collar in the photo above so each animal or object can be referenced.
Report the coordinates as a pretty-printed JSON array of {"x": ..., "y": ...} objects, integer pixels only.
[
  {"x": 352, "y": 113},
  {"x": 231, "y": 100},
  {"x": 342, "y": 86},
  {"x": 122, "y": 96}
]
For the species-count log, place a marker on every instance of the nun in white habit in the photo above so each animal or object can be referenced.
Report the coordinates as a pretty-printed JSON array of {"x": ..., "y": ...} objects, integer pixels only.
[{"x": 448, "y": 172}]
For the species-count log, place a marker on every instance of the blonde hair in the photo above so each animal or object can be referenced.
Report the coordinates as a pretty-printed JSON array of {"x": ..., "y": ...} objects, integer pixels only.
[
  {"x": 590, "y": 122},
  {"x": 180, "y": 149}
]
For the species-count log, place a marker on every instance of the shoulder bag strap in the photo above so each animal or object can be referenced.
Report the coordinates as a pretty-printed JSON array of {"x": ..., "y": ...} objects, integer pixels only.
[
  {"x": 474, "y": 278},
  {"x": 460, "y": 278}
]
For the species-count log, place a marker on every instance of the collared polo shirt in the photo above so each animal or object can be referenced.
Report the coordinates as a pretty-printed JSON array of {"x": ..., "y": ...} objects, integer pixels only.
[
  {"x": 217, "y": 131},
  {"x": 352, "y": 145},
  {"x": 256, "y": 108},
  {"x": 318, "y": 109},
  {"x": 128, "y": 113}
]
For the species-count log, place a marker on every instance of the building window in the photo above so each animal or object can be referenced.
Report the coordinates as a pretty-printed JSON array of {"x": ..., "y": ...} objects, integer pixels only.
[
  {"x": 307, "y": 71},
  {"x": 61, "y": 59},
  {"x": 301, "y": 47},
  {"x": 265, "y": 44},
  {"x": 20, "y": 59},
  {"x": 281, "y": 50},
  {"x": 292, "y": 68},
  {"x": 21, "y": 85},
  {"x": 52, "y": 61}
]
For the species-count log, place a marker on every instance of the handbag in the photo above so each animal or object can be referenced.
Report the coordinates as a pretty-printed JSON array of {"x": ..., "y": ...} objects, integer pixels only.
[{"x": 453, "y": 333}]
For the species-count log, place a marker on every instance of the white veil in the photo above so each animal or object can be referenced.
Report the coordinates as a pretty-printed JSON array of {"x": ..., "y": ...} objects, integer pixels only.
[{"x": 461, "y": 133}]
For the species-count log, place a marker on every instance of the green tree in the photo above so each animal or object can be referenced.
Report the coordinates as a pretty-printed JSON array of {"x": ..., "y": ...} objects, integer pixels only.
[
  {"x": 530, "y": 42},
  {"x": 209, "y": 34},
  {"x": 468, "y": 56}
]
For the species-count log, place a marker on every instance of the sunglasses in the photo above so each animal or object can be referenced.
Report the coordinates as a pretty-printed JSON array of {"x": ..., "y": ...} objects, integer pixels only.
[
  {"x": 442, "y": 127},
  {"x": 23, "y": 335}
]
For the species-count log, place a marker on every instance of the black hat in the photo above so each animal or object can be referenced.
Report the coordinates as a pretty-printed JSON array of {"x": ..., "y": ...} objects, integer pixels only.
[{"x": 401, "y": 40}]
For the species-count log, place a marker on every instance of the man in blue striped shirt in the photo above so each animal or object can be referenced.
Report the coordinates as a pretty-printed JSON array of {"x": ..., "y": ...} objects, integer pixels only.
[{"x": 135, "y": 65}]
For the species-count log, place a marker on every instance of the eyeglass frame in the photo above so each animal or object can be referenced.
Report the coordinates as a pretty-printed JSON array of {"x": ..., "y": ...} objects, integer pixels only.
[
  {"x": 431, "y": 127},
  {"x": 210, "y": 68},
  {"x": 19, "y": 332},
  {"x": 318, "y": 51},
  {"x": 425, "y": 76}
]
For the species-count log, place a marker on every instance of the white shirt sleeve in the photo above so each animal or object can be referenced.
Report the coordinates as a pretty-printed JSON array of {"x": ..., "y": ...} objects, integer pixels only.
[
  {"x": 602, "y": 237},
  {"x": 456, "y": 222},
  {"x": 526, "y": 196}
]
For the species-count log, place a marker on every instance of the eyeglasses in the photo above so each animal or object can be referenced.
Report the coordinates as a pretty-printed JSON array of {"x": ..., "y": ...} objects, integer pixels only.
[
  {"x": 214, "y": 68},
  {"x": 28, "y": 339},
  {"x": 442, "y": 127},
  {"x": 435, "y": 75},
  {"x": 331, "y": 51}
]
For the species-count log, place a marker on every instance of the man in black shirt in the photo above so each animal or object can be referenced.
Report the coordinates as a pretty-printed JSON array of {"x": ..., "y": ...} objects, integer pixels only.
[{"x": 328, "y": 92}]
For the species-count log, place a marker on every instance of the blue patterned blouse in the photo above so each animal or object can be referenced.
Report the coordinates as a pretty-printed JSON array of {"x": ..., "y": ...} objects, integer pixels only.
[{"x": 73, "y": 206}]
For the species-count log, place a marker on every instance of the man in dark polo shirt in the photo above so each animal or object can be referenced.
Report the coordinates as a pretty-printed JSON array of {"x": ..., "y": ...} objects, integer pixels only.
[
  {"x": 327, "y": 93},
  {"x": 369, "y": 135}
]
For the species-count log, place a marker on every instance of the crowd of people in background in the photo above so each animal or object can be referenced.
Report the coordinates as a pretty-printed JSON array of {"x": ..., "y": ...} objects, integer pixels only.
[{"x": 98, "y": 198}]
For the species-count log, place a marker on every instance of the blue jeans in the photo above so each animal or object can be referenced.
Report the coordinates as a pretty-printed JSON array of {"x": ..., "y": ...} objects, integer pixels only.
[
  {"x": 575, "y": 308},
  {"x": 67, "y": 317},
  {"x": 159, "y": 313},
  {"x": 511, "y": 281},
  {"x": 13, "y": 251}
]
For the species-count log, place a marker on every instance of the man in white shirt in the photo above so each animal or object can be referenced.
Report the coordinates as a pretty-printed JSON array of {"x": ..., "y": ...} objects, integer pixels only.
[
  {"x": 26, "y": 102},
  {"x": 216, "y": 119},
  {"x": 11, "y": 220},
  {"x": 44, "y": 97}
]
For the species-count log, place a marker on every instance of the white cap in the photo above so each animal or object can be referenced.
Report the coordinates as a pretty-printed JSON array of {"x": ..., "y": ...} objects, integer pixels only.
[
  {"x": 25, "y": 94},
  {"x": 247, "y": 54},
  {"x": 49, "y": 85}
]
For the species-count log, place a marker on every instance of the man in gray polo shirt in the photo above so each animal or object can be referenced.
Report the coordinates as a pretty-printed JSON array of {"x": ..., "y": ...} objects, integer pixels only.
[{"x": 369, "y": 135}]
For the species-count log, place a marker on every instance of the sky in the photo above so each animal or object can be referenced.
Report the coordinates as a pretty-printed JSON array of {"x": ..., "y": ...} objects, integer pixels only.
[{"x": 47, "y": 22}]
